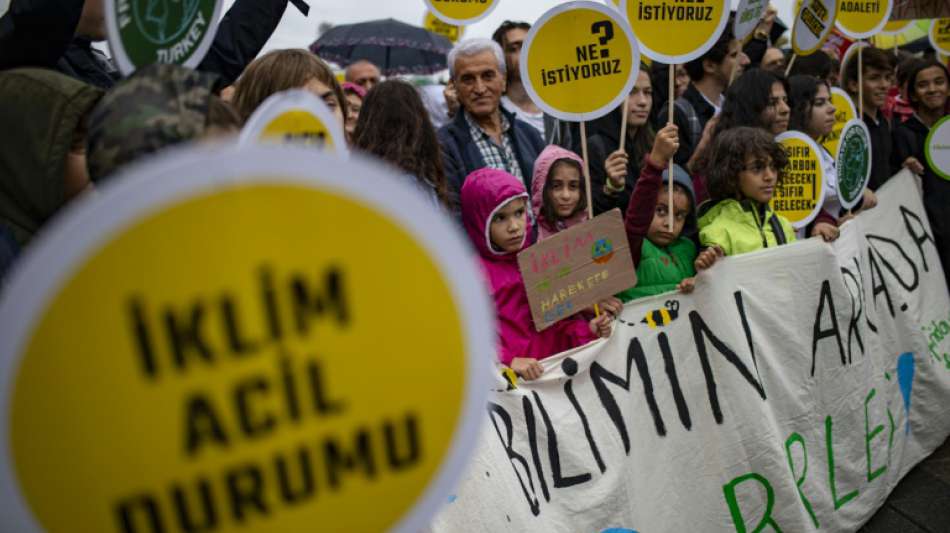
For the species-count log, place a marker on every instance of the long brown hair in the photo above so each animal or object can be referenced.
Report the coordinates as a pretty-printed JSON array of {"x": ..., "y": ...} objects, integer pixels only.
[
  {"x": 394, "y": 126},
  {"x": 278, "y": 71}
]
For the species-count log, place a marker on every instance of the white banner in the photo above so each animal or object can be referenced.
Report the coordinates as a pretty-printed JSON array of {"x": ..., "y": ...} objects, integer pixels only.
[{"x": 790, "y": 392}]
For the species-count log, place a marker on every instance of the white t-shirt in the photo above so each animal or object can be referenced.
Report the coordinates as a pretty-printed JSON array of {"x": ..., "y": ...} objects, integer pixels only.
[
  {"x": 832, "y": 204},
  {"x": 536, "y": 120}
]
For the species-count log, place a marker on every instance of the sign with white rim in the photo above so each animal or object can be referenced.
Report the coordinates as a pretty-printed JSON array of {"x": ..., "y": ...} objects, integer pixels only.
[
  {"x": 233, "y": 373},
  {"x": 940, "y": 35},
  {"x": 851, "y": 51},
  {"x": 143, "y": 32},
  {"x": 844, "y": 113},
  {"x": 452, "y": 32},
  {"x": 895, "y": 27},
  {"x": 937, "y": 148},
  {"x": 579, "y": 61},
  {"x": 461, "y": 12},
  {"x": 676, "y": 33},
  {"x": 296, "y": 116},
  {"x": 860, "y": 19},
  {"x": 853, "y": 163},
  {"x": 748, "y": 15},
  {"x": 813, "y": 25},
  {"x": 800, "y": 193}
]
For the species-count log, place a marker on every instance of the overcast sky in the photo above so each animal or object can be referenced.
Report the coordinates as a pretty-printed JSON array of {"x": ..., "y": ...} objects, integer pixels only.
[{"x": 295, "y": 30}]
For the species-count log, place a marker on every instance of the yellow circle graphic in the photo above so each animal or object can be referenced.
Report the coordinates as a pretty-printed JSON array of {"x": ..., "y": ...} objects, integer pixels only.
[
  {"x": 580, "y": 61},
  {"x": 940, "y": 35},
  {"x": 461, "y": 12},
  {"x": 799, "y": 193},
  {"x": 676, "y": 32},
  {"x": 860, "y": 19},
  {"x": 267, "y": 357},
  {"x": 844, "y": 112},
  {"x": 298, "y": 127}
]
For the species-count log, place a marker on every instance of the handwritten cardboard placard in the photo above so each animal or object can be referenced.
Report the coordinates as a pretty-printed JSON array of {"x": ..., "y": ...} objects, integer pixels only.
[{"x": 576, "y": 268}]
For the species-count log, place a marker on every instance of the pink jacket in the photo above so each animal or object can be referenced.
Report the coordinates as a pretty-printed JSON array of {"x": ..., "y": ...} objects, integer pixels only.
[
  {"x": 542, "y": 169},
  {"x": 483, "y": 193}
]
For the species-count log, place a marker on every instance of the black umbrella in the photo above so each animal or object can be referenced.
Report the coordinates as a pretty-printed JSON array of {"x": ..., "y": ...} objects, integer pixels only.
[{"x": 395, "y": 47}]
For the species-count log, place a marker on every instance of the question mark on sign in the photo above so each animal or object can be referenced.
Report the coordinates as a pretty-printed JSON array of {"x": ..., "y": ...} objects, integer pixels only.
[{"x": 608, "y": 34}]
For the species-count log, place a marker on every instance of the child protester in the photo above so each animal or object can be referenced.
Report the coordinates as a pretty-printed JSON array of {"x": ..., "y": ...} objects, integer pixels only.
[
  {"x": 494, "y": 213},
  {"x": 745, "y": 167},
  {"x": 558, "y": 194},
  {"x": 665, "y": 258}
]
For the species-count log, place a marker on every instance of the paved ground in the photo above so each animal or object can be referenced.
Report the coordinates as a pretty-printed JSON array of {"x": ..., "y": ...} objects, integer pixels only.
[{"x": 921, "y": 501}]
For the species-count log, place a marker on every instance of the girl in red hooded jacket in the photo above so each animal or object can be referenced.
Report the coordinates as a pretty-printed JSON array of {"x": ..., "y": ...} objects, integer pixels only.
[{"x": 494, "y": 213}]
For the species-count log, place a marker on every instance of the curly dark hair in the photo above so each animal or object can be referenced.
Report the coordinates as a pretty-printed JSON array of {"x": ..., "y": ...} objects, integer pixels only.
[
  {"x": 547, "y": 206},
  {"x": 728, "y": 155},
  {"x": 801, "y": 98},
  {"x": 395, "y": 127}
]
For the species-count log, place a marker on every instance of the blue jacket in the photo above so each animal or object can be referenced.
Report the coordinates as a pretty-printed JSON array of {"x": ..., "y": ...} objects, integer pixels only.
[{"x": 460, "y": 155}]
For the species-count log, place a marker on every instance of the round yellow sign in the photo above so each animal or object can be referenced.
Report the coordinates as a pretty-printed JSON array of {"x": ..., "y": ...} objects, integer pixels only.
[
  {"x": 676, "y": 32},
  {"x": 940, "y": 35},
  {"x": 896, "y": 26},
  {"x": 844, "y": 113},
  {"x": 579, "y": 61},
  {"x": 295, "y": 117},
  {"x": 436, "y": 25},
  {"x": 461, "y": 12},
  {"x": 246, "y": 339},
  {"x": 800, "y": 191},
  {"x": 859, "y": 19}
]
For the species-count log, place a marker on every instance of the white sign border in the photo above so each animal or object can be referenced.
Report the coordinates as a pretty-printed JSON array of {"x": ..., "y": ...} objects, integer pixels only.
[
  {"x": 873, "y": 31},
  {"x": 853, "y": 123},
  {"x": 942, "y": 124},
  {"x": 820, "y": 203},
  {"x": 461, "y": 22},
  {"x": 619, "y": 21},
  {"x": 293, "y": 100},
  {"x": 822, "y": 39},
  {"x": 144, "y": 188},
  {"x": 683, "y": 58},
  {"x": 736, "y": 27},
  {"x": 127, "y": 68}
]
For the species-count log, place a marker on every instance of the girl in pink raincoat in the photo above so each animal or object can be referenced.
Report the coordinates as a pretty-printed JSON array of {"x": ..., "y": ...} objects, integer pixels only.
[
  {"x": 558, "y": 195},
  {"x": 494, "y": 213}
]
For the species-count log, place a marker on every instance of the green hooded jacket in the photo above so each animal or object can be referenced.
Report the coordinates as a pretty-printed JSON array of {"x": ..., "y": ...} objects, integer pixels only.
[
  {"x": 738, "y": 227},
  {"x": 40, "y": 113}
]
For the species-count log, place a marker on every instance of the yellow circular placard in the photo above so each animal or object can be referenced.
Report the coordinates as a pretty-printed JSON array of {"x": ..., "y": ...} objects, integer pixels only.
[
  {"x": 800, "y": 191},
  {"x": 436, "y": 25},
  {"x": 859, "y": 19},
  {"x": 257, "y": 350},
  {"x": 579, "y": 61},
  {"x": 298, "y": 126},
  {"x": 940, "y": 35},
  {"x": 676, "y": 32},
  {"x": 894, "y": 27},
  {"x": 461, "y": 12},
  {"x": 844, "y": 112},
  {"x": 295, "y": 117}
]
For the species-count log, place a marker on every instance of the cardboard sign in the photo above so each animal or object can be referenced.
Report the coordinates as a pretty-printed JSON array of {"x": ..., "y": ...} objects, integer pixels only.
[
  {"x": 576, "y": 268},
  {"x": 860, "y": 19},
  {"x": 295, "y": 117},
  {"x": 204, "y": 346},
  {"x": 940, "y": 35},
  {"x": 579, "y": 61},
  {"x": 853, "y": 163},
  {"x": 812, "y": 26},
  {"x": 844, "y": 113},
  {"x": 676, "y": 32},
  {"x": 800, "y": 192},
  {"x": 748, "y": 15},
  {"x": 143, "y": 32},
  {"x": 937, "y": 148},
  {"x": 436, "y": 25},
  {"x": 461, "y": 12}
]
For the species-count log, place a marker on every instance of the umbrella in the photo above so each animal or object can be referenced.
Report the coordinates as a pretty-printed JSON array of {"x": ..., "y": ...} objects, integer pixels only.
[{"x": 395, "y": 47}]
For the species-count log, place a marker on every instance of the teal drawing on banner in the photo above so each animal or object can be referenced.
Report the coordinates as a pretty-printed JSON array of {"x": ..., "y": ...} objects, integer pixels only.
[{"x": 905, "y": 378}]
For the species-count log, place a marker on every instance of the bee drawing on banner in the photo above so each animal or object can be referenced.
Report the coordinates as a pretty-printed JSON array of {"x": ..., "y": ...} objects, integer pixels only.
[{"x": 659, "y": 318}]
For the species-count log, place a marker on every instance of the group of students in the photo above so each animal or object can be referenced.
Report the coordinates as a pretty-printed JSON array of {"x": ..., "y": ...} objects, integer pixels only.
[{"x": 62, "y": 135}]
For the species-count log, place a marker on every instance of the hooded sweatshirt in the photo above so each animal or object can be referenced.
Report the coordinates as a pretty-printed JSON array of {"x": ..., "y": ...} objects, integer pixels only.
[
  {"x": 484, "y": 192},
  {"x": 542, "y": 171},
  {"x": 41, "y": 113},
  {"x": 659, "y": 268}
]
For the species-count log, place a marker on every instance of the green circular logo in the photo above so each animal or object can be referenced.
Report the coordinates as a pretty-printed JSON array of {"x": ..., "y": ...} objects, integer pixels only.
[
  {"x": 142, "y": 32},
  {"x": 937, "y": 148},
  {"x": 854, "y": 163}
]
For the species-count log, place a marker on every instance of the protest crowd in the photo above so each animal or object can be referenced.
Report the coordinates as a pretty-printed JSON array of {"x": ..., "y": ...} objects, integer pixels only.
[
  {"x": 510, "y": 174},
  {"x": 479, "y": 148}
]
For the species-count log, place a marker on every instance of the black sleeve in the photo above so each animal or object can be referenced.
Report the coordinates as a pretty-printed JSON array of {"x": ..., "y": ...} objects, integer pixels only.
[
  {"x": 755, "y": 50},
  {"x": 37, "y": 32},
  {"x": 597, "y": 153},
  {"x": 904, "y": 146},
  {"x": 241, "y": 34}
]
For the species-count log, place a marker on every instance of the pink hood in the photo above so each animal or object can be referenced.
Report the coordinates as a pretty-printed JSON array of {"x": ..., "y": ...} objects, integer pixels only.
[
  {"x": 542, "y": 170},
  {"x": 483, "y": 192}
]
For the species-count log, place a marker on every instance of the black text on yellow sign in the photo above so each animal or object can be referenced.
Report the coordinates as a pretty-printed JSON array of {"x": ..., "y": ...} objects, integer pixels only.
[{"x": 593, "y": 60}]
